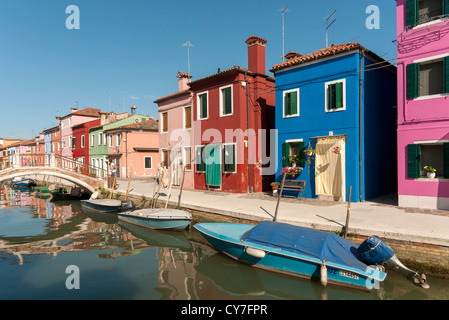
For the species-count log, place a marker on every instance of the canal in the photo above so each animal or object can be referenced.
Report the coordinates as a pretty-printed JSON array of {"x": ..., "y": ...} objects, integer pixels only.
[{"x": 45, "y": 244}]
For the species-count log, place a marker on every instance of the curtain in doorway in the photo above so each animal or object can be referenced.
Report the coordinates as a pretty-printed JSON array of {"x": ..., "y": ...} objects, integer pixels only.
[
  {"x": 213, "y": 165},
  {"x": 330, "y": 166}
]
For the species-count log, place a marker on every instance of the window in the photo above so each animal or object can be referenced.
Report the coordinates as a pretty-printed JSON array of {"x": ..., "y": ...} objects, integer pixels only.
[
  {"x": 119, "y": 138},
  {"x": 73, "y": 142},
  {"x": 229, "y": 158},
  {"x": 82, "y": 141},
  {"x": 165, "y": 158},
  {"x": 164, "y": 127},
  {"x": 202, "y": 105},
  {"x": 70, "y": 122},
  {"x": 335, "y": 95},
  {"x": 428, "y": 78},
  {"x": 428, "y": 154},
  {"x": 188, "y": 158},
  {"x": 293, "y": 152},
  {"x": 291, "y": 103},
  {"x": 422, "y": 11},
  {"x": 100, "y": 139},
  {"x": 148, "y": 162},
  {"x": 187, "y": 117},
  {"x": 110, "y": 140},
  {"x": 92, "y": 140},
  {"x": 226, "y": 108},
  {"x": 200, "y": 165}
]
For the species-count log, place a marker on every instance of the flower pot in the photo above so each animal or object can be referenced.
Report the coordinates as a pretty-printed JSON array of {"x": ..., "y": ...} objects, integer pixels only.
[
  {"x": 431, "y": 175},
  {"x": 275, "y": 192}
]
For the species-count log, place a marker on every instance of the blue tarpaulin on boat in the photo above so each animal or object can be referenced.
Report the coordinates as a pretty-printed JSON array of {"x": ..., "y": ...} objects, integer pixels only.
[{"x": 325, "y": 246}]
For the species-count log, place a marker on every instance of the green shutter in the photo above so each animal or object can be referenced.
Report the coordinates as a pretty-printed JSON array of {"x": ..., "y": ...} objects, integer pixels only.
[
  {"x": 414, "y": 160},
  {"x": 331, "y": 97},
  {"x": 204, "y": 106},
  {"x": 228, "y": 100},
  {"x": 293, "y": 102},
  {"x": 302, "y": 155},
  {"x": 411, "y": 13},
  {"x": 73, "y": 143},
  {"x": 338, "y": 95},
  {"x": 287, "y": 104},
  {"x": 213, "y": 165},
  {"x": 446, "y": 7},
  {"x": 446, "y": 71},
  {"x": 285, "y": 154},
  {"x": 446, "y": 160},
  {"x": 412, "y": 80}
]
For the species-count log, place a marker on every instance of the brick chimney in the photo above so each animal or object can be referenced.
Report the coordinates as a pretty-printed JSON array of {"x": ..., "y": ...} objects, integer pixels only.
[
  {"x": 72, "y": 110},
  {"x": 183, "y": 80},
  {"x": 256, "y": 54}
]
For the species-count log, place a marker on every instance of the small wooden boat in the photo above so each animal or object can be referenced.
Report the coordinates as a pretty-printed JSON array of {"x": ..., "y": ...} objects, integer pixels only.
[
  {"x": 107, "y": 205},
  {"x": 23, "y": 183},
  {"x": 167, "y": 219},
  {"x": 61, "y": 194},
  {"x": 42, "y": 190},
  {"x": 306, "y": 253}
]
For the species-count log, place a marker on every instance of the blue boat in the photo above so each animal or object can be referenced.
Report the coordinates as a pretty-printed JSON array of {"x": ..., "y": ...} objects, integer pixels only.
[
  {"x": 23, "y": 183},
  {"x": 166, "y": 219},
  {"x": 306, "y": 253}
]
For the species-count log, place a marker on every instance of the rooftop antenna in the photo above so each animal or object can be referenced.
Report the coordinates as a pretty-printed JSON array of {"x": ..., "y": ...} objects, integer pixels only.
[
  {"x": 188, "y": 44},
  {"x": 76, "y": 104},
  {"x": 283, "y": 11},
  {"x": 329, "y": 25}
]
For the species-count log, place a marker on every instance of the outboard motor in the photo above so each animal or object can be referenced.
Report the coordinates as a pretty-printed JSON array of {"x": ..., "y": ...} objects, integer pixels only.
[
  {"x": 127, "y": 205},
  {"x": 374, "y": 251}
]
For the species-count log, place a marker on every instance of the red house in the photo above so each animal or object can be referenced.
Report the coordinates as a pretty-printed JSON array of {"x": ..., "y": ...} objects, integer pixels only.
[
  {"x": 232, "y": 109},
  {"x": 80, "y": 140}
]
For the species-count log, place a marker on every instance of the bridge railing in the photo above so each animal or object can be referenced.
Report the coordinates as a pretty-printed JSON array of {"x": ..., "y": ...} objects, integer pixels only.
[{"x": 52, "y": 161}]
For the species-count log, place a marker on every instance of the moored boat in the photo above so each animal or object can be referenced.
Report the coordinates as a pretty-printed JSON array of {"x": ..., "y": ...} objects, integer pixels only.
[
  {"x": 107, "y": 205},
  {"x": 23, "y": 183},
  {"x": 302, "y": 252},
  {"x": 168, "y": 219},
  {"x": 60, "y": 194}
]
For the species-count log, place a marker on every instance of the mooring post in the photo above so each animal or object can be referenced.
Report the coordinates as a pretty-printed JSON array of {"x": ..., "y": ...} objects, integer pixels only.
[
  {"x": 279, "y": 197},
  {"x": 348, "y": 213}
]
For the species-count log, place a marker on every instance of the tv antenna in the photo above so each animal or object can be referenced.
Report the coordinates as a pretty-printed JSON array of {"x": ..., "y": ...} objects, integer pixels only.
[
  {"x": 329, "y": 25},
  {"x": 188, "y": 44},
  {"x": 283, "y": 11}
]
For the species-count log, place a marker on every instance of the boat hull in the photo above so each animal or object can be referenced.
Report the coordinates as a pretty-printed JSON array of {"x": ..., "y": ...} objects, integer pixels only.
[
  {"x": 107, "y": 206},
  {"x": 280, "y": 261},
  {"x": 158, "y": 219}
]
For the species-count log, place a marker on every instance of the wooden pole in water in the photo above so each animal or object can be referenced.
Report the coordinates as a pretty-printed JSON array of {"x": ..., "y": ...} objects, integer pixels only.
[
  {"x": 279, "y": 197},
  {"x": 127, "y": 190},
  {"x": 113, "y": 187},
  {"x": 348, "y": 213}
]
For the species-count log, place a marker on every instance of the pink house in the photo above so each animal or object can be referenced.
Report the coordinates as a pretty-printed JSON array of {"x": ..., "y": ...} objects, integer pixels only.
[
  {"x": 176, "y": 132},
  {"x": 423, "y": 103},
  {"x": 74, "y": 118}
]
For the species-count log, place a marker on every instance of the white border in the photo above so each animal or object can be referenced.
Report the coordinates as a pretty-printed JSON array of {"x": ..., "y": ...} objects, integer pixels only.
[
  {"x": 326, "y": 86},
  {"x": 297, "y": 103},
  {"x": 220, "y": 92},
  {"x": 198, "y": 105}
]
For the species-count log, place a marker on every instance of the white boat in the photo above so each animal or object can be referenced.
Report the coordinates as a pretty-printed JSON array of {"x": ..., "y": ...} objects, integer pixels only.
[{"x": 168, "y": 219}]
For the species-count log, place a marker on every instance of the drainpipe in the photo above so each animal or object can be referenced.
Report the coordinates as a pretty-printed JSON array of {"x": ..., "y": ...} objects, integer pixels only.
[
  {"x": 361, "y": 125},
  {"x": 126, "y": 152},
  {"x": 250, "y": 188}
]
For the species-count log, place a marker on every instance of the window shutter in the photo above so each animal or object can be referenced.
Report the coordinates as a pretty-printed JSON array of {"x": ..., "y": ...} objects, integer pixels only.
[
  {"x": 229, "y": 158},
  {"x": 338, "y": 95},
  {"x": 199, "y": 161},
  {"x": 411, "y": 13},
  {"x": 446, "y": 160},
  {"x": 302, "y": 155},
  {"x": 227, "y": 96},
  {"x": 446, "y": 70},
  {"x": 286, "y": 104},
  {"x": 293, "y": 102},
  {"x": 414, "y": 160},
  {"x": 285, "y": 154},
  {"x": 204, "y": 106},
  {"x": 331, "y": 97},
  {"x": 412, "y": 80},
  {"x": 446, "y": 7}
]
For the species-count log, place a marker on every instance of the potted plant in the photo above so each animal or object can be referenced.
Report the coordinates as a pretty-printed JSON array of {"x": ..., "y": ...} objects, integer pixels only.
[
  {"x": 309, "y": 152},
  {"x": 294, "y": 160},
  {"x": 275, "y": 187},
  {"x": 292, "y": 171},
  {"x": 430, "y": 171}
]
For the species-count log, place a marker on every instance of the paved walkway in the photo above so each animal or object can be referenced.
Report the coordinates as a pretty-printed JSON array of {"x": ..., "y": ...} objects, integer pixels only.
[{"x": 381, "y": 217}]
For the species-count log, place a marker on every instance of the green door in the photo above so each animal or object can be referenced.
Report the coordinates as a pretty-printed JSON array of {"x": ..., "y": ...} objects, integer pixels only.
[{"x": 213, "y": 165}]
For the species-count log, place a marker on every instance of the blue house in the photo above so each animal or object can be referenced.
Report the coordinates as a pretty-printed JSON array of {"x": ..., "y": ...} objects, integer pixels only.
[{"x": 341, "y": 103}]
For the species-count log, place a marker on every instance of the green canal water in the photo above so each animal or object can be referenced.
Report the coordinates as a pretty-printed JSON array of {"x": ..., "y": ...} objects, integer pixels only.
[{"x": 54, "y": 250}]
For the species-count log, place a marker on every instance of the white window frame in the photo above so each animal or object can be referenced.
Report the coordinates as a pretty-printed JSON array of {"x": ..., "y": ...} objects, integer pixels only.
[
  {"x": 198, "y": 109},
  {"x": 222, "y": 100},
  {"x": 235, "y": 157},
  {"x": 119, "y": 138},
  {"x": 326, "y": 102},
  {"x": 297, "y": 103},
  {"x": 151, "y": 157},
  {"x": 83, "y": 142},
  {"x": 111, "y": 143},
  {"x": 92, "y": 141},
  {"x": 196, "y": 147}
]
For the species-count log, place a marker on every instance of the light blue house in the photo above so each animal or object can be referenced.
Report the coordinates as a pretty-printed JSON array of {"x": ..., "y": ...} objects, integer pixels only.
[{"x": 341, "y": 102}]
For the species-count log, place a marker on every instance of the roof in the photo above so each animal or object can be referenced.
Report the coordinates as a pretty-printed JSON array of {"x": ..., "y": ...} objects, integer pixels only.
[
  {"x": 233, "y": 69},
  {"x": 148, "y": 125},
  {"x": 88, "y": 112},
  {"x": 173, "y": 95},
  {"x": 326, "y": 52}
]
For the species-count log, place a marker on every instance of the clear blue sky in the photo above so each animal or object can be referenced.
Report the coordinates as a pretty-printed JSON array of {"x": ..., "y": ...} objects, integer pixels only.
[{"x": 136, "y": 46}]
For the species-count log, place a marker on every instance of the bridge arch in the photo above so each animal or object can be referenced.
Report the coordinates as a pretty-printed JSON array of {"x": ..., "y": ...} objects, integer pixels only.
[{"x": 86, "y": 182}]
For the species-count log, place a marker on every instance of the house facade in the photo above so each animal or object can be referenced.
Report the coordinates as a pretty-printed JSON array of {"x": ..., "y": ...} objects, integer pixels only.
[
  {"x": 232, "y": 110},
  {"x": 332, "y": 102},
  {"x": 81, "y": 141},
  {"x": 423, "y": 103},
  {"x": 135, "y": 148},
  {"x": 52, "y": 140},
  {"x": 176, "y": 132}
]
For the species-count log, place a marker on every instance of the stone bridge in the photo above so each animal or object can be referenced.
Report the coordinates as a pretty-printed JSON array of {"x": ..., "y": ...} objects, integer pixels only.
[{"x": 81, "y": 174}]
